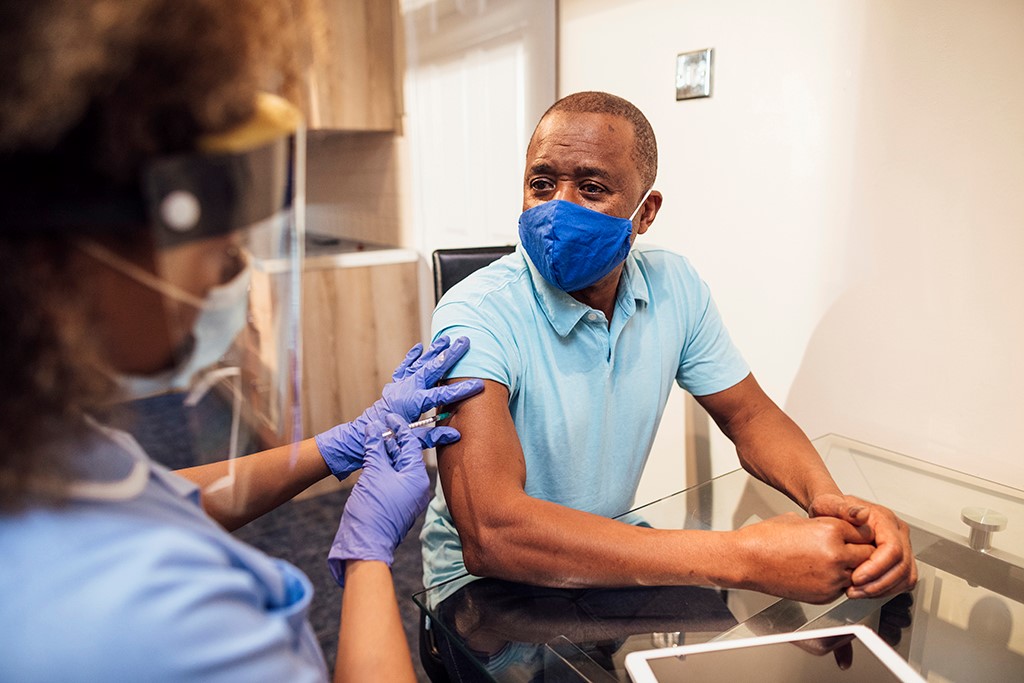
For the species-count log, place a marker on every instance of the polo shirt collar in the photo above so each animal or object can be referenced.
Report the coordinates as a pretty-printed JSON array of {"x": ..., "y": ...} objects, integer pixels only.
[
  {"x": 634, "y": 288},
  {"x": 563, "y": 311}
]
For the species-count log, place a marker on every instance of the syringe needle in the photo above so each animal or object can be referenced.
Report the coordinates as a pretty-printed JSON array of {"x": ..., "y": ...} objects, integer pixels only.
[{"x": 387, "y": 434}]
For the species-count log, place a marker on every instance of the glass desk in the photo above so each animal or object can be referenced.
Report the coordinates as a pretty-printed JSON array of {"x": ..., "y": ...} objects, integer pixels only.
[{"x": 963, "y": 622}]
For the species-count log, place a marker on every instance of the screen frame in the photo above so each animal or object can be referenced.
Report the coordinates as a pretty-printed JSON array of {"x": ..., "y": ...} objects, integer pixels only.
[{"x": 639, "y": 669}]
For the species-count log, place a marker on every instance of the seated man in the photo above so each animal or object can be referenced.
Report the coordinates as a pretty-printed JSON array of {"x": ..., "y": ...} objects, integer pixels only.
[{"x": 578, "y": 338}]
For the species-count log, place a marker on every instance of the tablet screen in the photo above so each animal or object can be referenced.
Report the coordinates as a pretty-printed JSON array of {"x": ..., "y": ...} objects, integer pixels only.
[{"x": 789, "y": 661}]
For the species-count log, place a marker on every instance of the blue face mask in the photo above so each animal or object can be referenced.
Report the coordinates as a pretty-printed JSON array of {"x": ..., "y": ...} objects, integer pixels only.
[{"x": 572, "y": 246}]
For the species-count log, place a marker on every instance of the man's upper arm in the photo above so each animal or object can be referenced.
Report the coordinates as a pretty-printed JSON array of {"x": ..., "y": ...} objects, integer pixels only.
[
  {"x": 735, "y": 404},
  {"x": 484, "y": 471}
]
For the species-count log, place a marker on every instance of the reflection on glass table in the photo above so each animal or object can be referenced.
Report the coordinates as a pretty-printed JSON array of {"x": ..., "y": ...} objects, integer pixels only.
[{"x": 963, "y": 622}]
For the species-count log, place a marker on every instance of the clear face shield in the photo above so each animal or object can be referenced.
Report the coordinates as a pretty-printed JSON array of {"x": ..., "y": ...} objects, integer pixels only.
[{"x": 215, "y": 369}]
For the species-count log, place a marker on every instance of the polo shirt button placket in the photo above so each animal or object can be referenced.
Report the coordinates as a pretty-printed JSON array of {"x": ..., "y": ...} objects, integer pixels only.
[{"x": 605, "y": 333}]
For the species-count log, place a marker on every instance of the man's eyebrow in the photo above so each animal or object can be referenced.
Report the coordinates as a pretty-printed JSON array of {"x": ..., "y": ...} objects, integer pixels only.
[
  {"x": 578, "y": 172},
  {"x": 592, "y": 172},
  {"x": 542, "y": 169}
]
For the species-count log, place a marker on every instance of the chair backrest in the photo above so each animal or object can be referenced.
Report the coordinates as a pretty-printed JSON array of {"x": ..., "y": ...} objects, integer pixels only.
[{"x": 453, "y": 265}]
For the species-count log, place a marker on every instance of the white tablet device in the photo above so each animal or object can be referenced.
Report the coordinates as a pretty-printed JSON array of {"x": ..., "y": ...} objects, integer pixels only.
[{"x": 804, "y": 656}]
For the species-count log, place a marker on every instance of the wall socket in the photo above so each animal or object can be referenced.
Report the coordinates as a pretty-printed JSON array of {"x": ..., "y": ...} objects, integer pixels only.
[{"x": 693, "y": 74}]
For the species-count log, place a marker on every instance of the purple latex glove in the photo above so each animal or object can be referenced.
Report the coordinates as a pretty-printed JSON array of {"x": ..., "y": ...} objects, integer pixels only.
[
  {"x": 410, "y": 394},
  {"x": 391, "y": 493}
]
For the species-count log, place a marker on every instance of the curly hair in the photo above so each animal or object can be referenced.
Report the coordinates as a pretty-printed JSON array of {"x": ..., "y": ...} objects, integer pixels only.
[
  {"x": 645, "y": 150},
  {"x": 94, "y": 88}
]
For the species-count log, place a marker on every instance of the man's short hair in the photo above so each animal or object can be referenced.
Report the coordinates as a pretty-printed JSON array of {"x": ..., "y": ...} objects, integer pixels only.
[{"x": 645, "y": 149}]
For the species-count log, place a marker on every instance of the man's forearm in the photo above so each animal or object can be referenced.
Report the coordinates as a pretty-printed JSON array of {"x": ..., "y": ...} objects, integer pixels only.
[
  {"x": 546, "y": 544},
  {"x": 235, "y": 492},
  {"x": 769, "y": 444},
  {"x": 543, "y": 543},
  {"x": 776, "y": 451}
]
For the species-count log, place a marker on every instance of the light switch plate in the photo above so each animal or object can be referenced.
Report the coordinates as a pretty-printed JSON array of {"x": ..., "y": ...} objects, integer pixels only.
[{"x": 693, "y": 74}]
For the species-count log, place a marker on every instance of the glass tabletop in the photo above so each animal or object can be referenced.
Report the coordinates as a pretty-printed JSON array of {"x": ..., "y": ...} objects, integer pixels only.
[{"x": 963, "y": 622}]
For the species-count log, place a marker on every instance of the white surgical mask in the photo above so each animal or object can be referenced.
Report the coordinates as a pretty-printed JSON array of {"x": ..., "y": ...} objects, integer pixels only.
[{"x": 222, "y": 315}]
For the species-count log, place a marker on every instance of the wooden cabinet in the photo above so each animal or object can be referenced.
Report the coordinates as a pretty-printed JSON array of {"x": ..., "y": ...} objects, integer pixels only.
[
  {"x": 358, "y": 324},
  {"x": 354, "y": 82},
  {"x": 360, "y": 315}
]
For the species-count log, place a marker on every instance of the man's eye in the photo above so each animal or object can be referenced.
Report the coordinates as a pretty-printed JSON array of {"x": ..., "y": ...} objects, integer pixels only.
[
  {"x": 541, "y": 185},
  {"x": 591, "y": 188}
]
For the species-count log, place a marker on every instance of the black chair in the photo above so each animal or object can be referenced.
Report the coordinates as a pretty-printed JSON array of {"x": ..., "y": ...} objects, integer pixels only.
[{"x": 453, "y": 265}]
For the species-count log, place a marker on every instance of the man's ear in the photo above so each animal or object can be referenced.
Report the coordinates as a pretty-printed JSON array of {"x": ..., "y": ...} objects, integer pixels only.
[{"x": 650, "y": 209}]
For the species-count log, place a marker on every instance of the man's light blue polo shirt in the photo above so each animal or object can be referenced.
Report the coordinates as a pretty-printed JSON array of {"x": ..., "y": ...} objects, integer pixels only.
[{"x": 586, "y": 398}]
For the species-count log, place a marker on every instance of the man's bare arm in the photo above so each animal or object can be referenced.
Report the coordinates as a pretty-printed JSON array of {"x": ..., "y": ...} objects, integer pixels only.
[
  {"x": 770, "y": 445},
  {"x": 507, "y": 534},
  {"x": 775, "y": 450}
]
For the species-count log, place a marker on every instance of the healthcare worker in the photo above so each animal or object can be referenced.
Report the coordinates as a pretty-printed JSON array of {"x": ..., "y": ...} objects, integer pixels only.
[{"x": 151, "y": 204}]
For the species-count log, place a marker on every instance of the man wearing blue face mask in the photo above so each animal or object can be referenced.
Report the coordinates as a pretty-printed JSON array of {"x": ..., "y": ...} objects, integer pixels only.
[{"x": 578, "y": 336}]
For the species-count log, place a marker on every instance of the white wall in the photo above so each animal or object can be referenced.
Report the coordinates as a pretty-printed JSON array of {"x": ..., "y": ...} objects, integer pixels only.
[{"x": 853, "y": 192}]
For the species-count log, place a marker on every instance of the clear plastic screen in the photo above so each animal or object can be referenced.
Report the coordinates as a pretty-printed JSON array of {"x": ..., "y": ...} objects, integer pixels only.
[{"x": 227, "y": 302}]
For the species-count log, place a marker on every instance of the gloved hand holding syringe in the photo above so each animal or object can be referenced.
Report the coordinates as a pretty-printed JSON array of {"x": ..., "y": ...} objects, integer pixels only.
[{"x": 412, "y": 392}]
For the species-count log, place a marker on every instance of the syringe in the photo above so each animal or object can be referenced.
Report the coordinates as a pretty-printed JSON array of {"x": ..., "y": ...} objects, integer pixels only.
[{"x": 419, "y": 423}]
